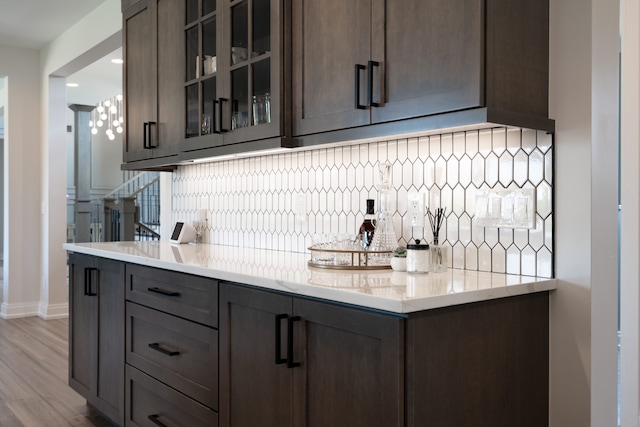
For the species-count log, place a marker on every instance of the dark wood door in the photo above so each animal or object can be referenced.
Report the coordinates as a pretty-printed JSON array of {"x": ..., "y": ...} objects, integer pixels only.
[
  {"x": 153, "y": 80},
  {"x": 431, "y": 58},
  {"x": 171, "y": 77},
  {"x": 96, "y": 332},
  {"x": 110, "y": 346},
  {"x": 83, "y": 325},
  {"x": 140, "y": 78},
  {"x": 329, "y": 39},
  {"x": 254, "y": 390},
  {"x": 351, "y": 367}
]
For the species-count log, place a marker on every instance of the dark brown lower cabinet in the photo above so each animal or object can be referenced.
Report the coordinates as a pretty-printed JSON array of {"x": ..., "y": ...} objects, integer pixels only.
[
  {"x": 288, "y": 361},
  {"x": 96, "y": 331},
  {"x": 202, "y": 353}
]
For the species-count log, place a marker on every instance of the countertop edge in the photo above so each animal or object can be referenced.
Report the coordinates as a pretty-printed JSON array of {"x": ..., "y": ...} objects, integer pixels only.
[{"x": 398, "y": 307}]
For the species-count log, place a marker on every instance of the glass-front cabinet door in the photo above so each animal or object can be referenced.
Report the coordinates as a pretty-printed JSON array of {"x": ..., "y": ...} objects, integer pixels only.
[
  {"x": 233, "y": 60},
  {"x": 202, "y": 32}
]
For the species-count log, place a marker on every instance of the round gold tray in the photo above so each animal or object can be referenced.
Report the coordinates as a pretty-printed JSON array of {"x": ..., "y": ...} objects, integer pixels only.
[{"x": 345, "y": 259}]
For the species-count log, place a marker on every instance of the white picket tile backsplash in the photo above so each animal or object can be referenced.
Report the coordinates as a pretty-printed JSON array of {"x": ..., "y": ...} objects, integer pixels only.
[{"x": 250, "y": 200}]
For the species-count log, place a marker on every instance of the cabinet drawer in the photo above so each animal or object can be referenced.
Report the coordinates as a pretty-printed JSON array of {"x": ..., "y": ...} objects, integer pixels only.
[
  {"x": 192, "y": 297},
  {"x": 149, "y": 403},
  {"x": 180, "y": 353}
]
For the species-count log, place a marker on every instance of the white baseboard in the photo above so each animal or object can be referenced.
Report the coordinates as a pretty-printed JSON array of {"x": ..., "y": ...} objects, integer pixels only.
[
  {"x": 53, "y": 311},
  {"x": 14, "y": 311}
]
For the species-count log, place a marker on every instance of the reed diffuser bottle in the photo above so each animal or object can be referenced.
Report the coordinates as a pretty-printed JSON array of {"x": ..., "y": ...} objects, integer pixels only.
[{"x": 439, "y": 256}]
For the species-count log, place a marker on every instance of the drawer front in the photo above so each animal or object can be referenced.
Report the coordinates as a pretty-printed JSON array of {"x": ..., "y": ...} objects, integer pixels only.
[
  {"x": 180, "y": 353},
  {"x": 149, "y": 403},
  {"x": 192, "y": 297}
]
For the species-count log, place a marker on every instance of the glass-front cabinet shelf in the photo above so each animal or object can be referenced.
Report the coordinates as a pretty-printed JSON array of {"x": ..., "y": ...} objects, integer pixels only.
[{"x": 233, "y": 56}]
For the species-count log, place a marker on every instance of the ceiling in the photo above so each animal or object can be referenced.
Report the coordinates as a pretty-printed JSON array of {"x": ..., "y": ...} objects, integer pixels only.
[{"x": 32, "y": 24}]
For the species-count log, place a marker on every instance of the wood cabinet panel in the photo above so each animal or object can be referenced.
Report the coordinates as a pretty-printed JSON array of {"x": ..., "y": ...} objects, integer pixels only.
[
  {"x": 249, "y": 376},
  {"x": 153, "y": 80},
  {"x": 431, "y": 58},
  {"x": 180, "y": 353},
  {"x": 191, "y": 297},
  {"x": 171, "y": 75},
  {"x": 482, "y": 365},
  {"x": 352, "y": 367},
  {"x": 140, "y": 79},
  {"x": 96, "y": 327},
  {"x": 149, "y": 403},
  {"x": 324, "y": 92},
  {"x": 344, "y": 366}
]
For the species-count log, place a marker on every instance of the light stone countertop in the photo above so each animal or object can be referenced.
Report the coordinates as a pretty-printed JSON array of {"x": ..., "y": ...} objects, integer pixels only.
[{"x": 386, "y": 290}]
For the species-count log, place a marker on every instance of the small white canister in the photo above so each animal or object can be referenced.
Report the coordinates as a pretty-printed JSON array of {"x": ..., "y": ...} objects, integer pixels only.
[{"x": 418, "y": 258}]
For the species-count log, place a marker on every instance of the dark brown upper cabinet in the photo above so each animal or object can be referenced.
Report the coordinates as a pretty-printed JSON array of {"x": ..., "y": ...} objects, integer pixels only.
[
  {"x": 234, "y": 90},
  {"x": 153, "y": 83},
  {"x": 206, "y": 78},
  {"x": 414, "y": 65}
]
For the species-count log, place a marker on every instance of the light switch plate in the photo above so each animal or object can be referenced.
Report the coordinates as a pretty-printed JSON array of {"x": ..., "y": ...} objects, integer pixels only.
[
  {"x": 416, "y": 209},
  {"x": 300, "y": 206},
  {"x": 506, "y": 208}
]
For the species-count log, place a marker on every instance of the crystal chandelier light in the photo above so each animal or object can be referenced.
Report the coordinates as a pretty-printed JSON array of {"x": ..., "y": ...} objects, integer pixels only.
[{"x": 107, "y": 112}]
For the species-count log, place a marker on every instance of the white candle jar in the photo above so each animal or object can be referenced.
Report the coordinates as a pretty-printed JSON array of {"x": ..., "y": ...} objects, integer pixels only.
[{"x": 417, "y": 258}]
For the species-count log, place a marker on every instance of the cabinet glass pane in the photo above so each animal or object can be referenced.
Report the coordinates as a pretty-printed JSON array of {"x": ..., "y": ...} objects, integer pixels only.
[
  {"x": 208, "y": 6},
  {"x": 193, "y": 113},
  {"x": 261, "y": 27},
  {"x": 209, "y": 46},
  {"x": 192, "y": 11},
  {"x": 193, "y": 58},
  {"x": 239, "y": 32},
  {"x": 208, "y": 105},
  {"x": 261, "y": 100},
  {"x": 239, "y": 96}
]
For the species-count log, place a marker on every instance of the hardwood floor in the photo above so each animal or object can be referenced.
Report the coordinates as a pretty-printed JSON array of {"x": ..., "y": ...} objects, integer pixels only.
[{"x": 34, "y": 374}]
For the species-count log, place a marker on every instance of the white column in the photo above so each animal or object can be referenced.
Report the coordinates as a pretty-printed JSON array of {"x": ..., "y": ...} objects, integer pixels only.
[
  {"x": 630, "y": 215},
  {"x": 604, "y": 212},
  {"x": 53, "y": 295}
]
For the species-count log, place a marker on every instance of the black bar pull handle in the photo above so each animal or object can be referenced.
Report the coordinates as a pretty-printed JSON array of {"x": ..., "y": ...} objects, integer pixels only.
[
  {"x": 216, "y": 128},
  {"x": 371, "y": 64},
  {"x": 290, "y": 362},
  {"x": 220, "y": 115},
  {"x": 88, "y": 282},
  {"x": 164, "y": 292},
  {"x": 151, "y": 145},
  {"x": 359, "y": 68},
  {"x": 157, "y": 347},
  {"x": 279, "y": 318},
  {"x": 145, "y": 135},
  {"x": 155, "y": 418}
]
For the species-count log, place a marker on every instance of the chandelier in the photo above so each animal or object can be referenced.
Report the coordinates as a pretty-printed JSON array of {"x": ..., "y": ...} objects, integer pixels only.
[{"x": 109, "y": 113}]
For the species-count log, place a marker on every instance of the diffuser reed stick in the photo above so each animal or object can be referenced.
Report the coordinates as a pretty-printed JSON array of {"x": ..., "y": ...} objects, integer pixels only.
[{"x": 436, "y": 222}]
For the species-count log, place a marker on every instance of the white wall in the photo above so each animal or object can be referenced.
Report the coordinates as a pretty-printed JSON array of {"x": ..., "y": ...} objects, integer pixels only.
[
  {"x": 93, "y": 37},
  {"x": 22, "y": 271},
  {"x": 583, "y": 90}
]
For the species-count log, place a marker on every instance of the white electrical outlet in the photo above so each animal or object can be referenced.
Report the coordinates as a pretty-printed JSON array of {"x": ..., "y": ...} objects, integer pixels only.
[
  {"x": 415, "y": 209},
  {"x": 506, "y": 208}
]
